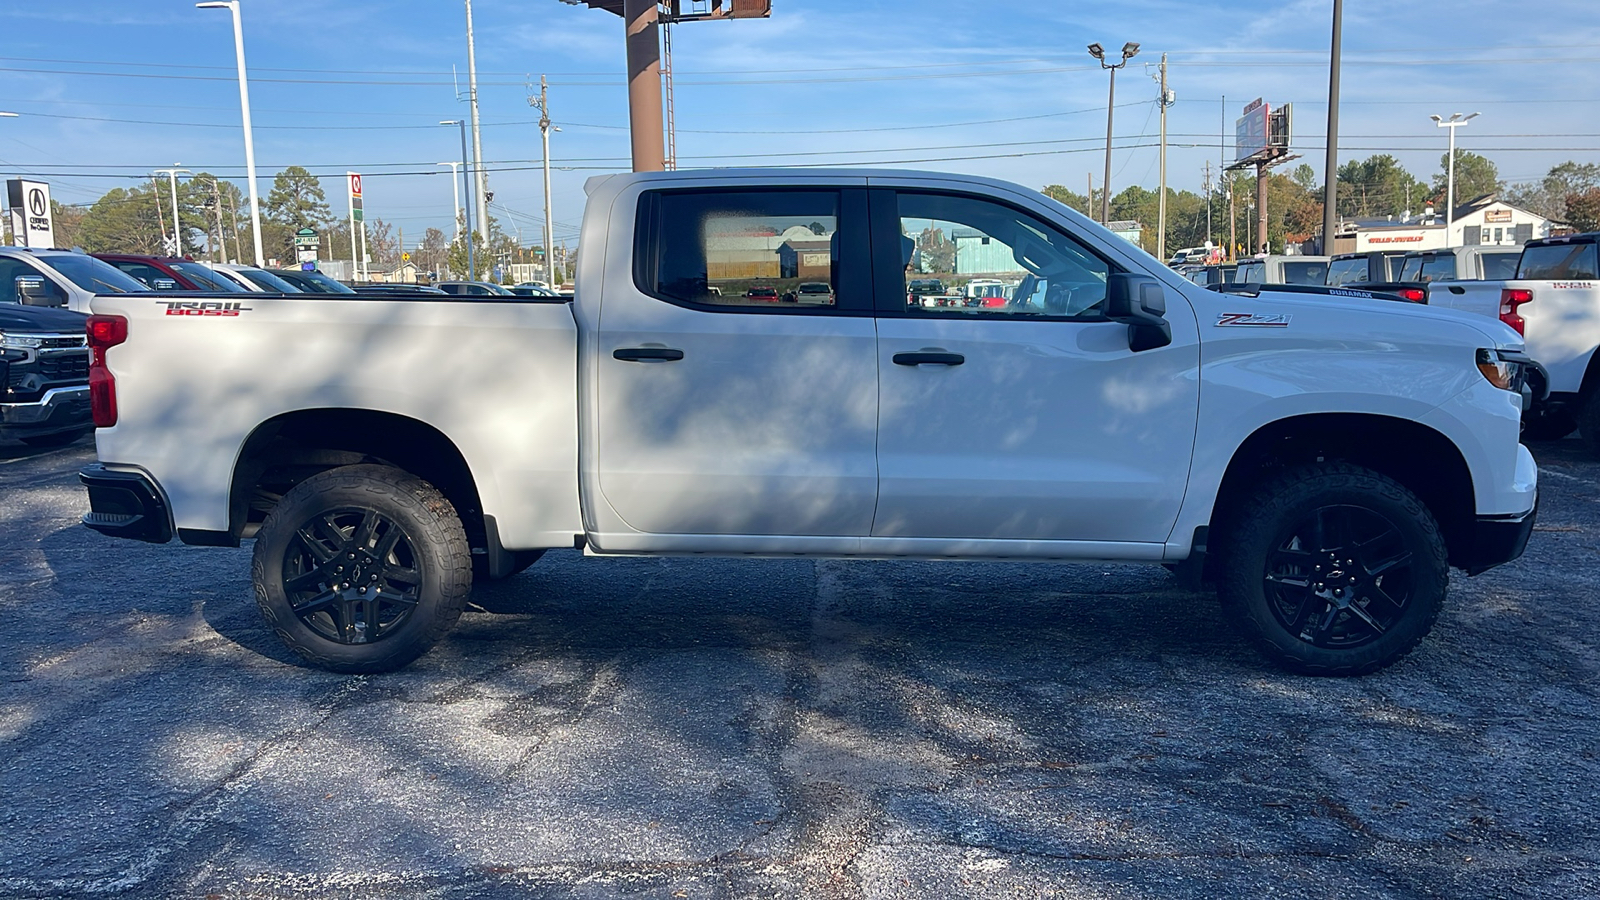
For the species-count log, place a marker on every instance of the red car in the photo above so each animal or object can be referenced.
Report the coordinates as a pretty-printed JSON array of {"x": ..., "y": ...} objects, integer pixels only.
[
  {"x": 167, "y": 273},
  {"x": 762, "y": 294}
]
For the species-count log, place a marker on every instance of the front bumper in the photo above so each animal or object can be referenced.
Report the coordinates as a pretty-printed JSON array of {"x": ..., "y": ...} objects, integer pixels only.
[
  {"x": 126, "y": 505},
  {"x": 1497, "y": 539},
  {"x": 60, "y": 409}
]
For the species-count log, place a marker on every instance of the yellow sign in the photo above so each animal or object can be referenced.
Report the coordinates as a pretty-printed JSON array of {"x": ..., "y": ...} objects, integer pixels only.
[{"x": 405, "y": 257}]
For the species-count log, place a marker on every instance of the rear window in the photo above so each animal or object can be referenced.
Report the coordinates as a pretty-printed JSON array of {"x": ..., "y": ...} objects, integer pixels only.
[
  {"x": 1248, "y": 273},
  {"x": 268, "y": 281},
  {"x": 1305, "y": 272},
  {"x": 1429, "y": 267},
  {"x": 206, "y": 278},
  {"x": 92, "y": 274},
  {"x": 1559, "y": 262},
  {"x": 1500, "y": 266},
  {"x": 1345, "y": 271}
]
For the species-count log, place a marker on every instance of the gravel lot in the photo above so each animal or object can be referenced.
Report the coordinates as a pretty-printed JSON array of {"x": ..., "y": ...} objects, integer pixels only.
[{"x": 722, "y": 728}]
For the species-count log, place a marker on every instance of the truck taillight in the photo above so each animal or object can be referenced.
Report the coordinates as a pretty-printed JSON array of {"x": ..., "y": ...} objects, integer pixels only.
[
  {"x": 1510, "y": 300},
  {"x": 1415, "y": 295},
  {"x": 104, "y": 333}
]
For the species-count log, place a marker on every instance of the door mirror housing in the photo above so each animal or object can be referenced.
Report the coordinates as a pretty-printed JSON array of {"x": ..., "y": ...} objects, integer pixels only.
[
  {"x": 1139, "y": 302},
  {"x": 36, "y": 290}
]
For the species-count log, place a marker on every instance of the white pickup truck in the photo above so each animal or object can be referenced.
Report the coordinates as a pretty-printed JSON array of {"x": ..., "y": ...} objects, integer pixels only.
[
  {"x": 376, "y": 449},
  {"x": 1553, "y": 300}
]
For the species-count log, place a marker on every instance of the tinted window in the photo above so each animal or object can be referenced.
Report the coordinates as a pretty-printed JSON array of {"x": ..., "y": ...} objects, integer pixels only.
[
  {"x": 92, "y": 274},
  {"x": 1305, "y": 272},
  {"x": 1429, "y": 267},
  {"x": 1249, "y": 273},
  {"x": 148, "y": 275},
  {"x": 206, "y": 278},
  {"x": 9, "y": 270},
  {"x": 1001, "y": 261},
  {"x": 268, "y": 281},
  {"x": 315, "y": 282},
  {"x": 1500, "y": 266},
  {"x": 1345, "y": 271},
  {"x": 744, "y": 248},
  {"x": 1559, "y": 262}
]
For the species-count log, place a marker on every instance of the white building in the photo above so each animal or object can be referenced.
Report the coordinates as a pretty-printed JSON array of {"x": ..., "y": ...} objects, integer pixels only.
[{"x": 1485, "y": 221}]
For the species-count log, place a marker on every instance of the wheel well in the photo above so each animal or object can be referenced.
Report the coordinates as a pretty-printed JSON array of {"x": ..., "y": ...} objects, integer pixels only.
[
  {"x": 288, "y": 449},
  {"x": 1422, "y": 459},
  {"x": 1591, "y": 376}
]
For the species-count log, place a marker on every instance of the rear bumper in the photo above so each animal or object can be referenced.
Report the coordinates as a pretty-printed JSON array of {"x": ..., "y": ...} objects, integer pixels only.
[
  {"x": 60, "y": 409},
  {"x": 1498, "y": 539},
  {"x": 126, "y": 505}
]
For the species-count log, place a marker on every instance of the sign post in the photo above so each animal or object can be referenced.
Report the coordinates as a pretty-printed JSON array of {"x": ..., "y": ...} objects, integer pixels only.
[
  {"x": 31, "y": 221},
  {"x": 356, "y": 215},
  {"x": 306, "y": 243}
]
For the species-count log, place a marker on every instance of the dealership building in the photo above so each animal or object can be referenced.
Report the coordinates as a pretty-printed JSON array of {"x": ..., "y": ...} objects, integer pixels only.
[{"x": 1485, "y": 221}]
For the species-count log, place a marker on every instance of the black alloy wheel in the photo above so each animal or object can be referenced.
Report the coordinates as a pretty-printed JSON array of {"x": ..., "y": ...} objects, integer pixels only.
[
  {"x": 352, "y": 575},
  {"x": 1339, "y": 578},
  {"x": 1332, "y": 569}
]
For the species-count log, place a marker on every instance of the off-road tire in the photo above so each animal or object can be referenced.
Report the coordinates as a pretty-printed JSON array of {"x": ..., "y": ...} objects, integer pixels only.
[
  {"x": 1267, "y": 528},
  {"x": 432, "y": 547},
  {"x": 1589, "y": 423}
]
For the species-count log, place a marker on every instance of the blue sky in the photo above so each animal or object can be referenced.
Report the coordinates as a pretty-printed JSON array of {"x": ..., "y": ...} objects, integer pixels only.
[{"x": 109, "y": 89}]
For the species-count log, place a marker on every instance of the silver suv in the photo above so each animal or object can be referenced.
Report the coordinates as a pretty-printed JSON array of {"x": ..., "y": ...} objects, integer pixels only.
[{"x": 59, "y": 278}]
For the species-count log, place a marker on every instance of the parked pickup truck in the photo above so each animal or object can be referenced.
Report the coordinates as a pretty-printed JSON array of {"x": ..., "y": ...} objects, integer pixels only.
[
  {"x": 1418, "y": 270},
  {"x": 1282, "y": 270},
  {"x": 44, "y": 375},
  {"x": 1552, "y": 297},
  {"x": 384, "y": 452}
]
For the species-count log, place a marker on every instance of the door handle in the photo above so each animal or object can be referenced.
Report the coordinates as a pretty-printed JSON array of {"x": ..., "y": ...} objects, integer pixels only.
[
  {"x": 647, "y": 354},
  {"x": 1457, "y": 290},
  {"x": 929, "y": 358}
]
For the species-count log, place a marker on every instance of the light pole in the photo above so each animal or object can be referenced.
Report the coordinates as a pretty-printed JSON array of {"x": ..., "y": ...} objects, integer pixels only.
[
  {"x": 1330, "y": 166},
  {"x": 455, "y": 191},
  {"x": 244, "y": 105},
  {"x": 466, "y": 172},
  {"x": 1129, "y": 50},
  {"x": 1455, "y": 121},
  {"x": 177, "y": 231},
  {"x": 480, "y": 182}
]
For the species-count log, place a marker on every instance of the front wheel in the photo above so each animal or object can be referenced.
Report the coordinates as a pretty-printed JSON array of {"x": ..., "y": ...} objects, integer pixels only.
[
  {"x": 362, "y": 568},
  {"x": 1334, "y": 570}
]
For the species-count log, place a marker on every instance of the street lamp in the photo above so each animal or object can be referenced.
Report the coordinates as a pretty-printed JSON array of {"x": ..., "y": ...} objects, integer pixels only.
[
  {"x": 466, "y": 172},
  {"x": 455, "y": 191},
  {"x": 177, "y": 232},
  {"x": 6, "y": 115},
  {"x": 1455, "y": 121},
  {"x": 1129, "y": 51},
  {"x": 244, "y": 105}
]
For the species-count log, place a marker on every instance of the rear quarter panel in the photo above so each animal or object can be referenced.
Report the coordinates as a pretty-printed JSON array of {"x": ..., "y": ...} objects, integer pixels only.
[{"x": 497, "y": 379}]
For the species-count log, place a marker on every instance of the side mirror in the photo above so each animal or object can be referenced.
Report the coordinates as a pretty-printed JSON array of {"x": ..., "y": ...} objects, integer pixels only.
[
  {"x": 164, "y": 284},
  {"x": 36, "y": 290},
  {"x": 1139, "y": 302}
]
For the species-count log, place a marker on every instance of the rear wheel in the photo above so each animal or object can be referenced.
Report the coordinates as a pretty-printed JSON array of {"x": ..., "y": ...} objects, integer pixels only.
[
  {"x": 362, "y": 568},
  {"x": 1334, "y": 570}
]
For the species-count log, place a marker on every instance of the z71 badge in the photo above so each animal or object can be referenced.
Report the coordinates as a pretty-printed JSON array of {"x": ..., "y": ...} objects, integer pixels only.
[
  {"x": 203, "y": 308},
  {"x": 1279, "y": 320}
]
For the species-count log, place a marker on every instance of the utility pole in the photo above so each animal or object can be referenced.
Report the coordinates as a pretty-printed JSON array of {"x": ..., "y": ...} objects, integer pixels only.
[
  {"x": 216, "y": 198},
  {"x": 1208, "y": 201},
  {"x": 1233, "y": 224},
  {"x": 178, "y": 239},
  {"x": 543, "y": 105},
  {"x": 481, "y": 181},
  {"x": 1330, "y": 198},
  {"x": 1161, "y": 217}
]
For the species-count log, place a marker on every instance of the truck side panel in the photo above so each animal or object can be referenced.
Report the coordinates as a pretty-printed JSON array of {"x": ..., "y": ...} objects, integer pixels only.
[{"x": 499, "y": 379}]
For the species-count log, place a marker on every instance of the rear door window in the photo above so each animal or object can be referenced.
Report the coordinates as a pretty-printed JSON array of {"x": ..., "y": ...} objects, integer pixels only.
[
  {"x": 1346, "y": 271},
  {"x": 1430, "y": 267},
  {"x": 770, "y": 250},
  {"x": 1500, "y": 266},
  {"x": 1559, "y": 262},
  {"x": 1305, "y": 272}
]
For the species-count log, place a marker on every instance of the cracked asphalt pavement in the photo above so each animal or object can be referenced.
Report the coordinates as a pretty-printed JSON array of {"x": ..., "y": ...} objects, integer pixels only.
[{"x": 731, "y": 728}]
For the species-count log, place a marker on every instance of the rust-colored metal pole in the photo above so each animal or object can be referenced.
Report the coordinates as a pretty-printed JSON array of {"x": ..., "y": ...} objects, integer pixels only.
[{"x": 644, "y": 84}]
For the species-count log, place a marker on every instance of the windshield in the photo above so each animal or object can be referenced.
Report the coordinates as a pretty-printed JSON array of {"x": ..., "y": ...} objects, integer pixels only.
[
  {"x": 207, "y": 279},
  {"x": 1305, "y": 272},
  {"x": 1345, "y": 271},
  {"x": 92, "y": 274},
  {"x": 1559, "y": 262},
  {"x": 316, "y": 281},
  {"x": 268, "y": 281}
]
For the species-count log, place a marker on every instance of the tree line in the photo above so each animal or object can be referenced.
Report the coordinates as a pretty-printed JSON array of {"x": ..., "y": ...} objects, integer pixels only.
[
  {"x": 1372, "y": 188},
  {"x": 214, "y": 220}
]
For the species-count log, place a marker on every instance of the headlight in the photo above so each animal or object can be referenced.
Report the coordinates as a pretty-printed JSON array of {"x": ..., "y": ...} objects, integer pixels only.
[
  {"x": 1504, "y": 369},
  {"x": 20, "y": 341}
]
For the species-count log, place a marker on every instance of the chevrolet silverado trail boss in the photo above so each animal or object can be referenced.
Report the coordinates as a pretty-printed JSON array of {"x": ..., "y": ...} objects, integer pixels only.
[{"x": 1324, "y": 460}]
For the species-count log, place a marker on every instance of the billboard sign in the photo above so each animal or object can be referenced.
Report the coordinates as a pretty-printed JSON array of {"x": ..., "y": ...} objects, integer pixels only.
[
  {"x": 1250, "y": 132},
  {"x": 31, "y": 223}
]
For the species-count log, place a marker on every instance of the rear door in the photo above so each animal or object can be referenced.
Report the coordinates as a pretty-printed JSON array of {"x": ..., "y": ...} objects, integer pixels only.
[
  {"x": 722, "y": 415},
  {"x": 1030, "y": 419}
]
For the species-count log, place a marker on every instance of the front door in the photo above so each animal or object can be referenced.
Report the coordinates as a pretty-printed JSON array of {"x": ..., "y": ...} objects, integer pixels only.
[
  {"x": 736, "y": 375},
  {"x": 1014, "y": 410}
]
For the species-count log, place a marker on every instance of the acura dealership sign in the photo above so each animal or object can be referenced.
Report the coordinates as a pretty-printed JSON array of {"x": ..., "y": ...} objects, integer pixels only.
[{"x": 29, "y": 202}]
